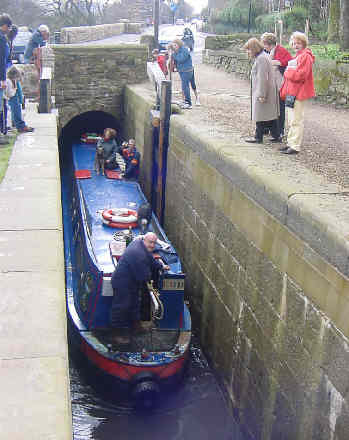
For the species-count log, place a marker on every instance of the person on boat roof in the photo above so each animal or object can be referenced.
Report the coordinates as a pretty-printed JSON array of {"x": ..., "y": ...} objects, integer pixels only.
[
  {"x": 132, "y": 159},
  {"x": 110, "y": 148},
  {"x": 133, "y": 270}
]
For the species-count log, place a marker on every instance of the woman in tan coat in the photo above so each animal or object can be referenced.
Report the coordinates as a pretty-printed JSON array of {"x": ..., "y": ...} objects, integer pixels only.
[{"x": 264, "y": 92}]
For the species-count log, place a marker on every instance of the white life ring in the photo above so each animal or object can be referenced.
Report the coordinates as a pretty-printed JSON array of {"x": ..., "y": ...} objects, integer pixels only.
[{"x": 120, "y": 217}]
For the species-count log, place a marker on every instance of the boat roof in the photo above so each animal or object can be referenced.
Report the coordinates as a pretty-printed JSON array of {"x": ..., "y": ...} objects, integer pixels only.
[{"x": 100, "y": 193}]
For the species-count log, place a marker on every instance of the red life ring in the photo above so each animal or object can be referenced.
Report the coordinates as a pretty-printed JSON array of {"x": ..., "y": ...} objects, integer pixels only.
[{"x": 120, "y": 217}]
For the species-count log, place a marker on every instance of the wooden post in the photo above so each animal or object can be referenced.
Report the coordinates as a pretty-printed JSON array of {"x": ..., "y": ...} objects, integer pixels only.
[
  {"x": 281, "y": 31},
  {"x": 156, "y": 22},
  {"x": 307, "y": 25},
  {"x": 165, "y": 114}
]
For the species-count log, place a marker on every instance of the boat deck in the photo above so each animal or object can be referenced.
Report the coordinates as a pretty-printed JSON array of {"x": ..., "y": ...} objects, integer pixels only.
[{"x": 155, "y": 340}]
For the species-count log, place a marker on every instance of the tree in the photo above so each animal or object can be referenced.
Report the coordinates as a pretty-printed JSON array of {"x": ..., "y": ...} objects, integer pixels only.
[
  {"x": 75, "y": 12},
  {"x": 22, "y": 12},
  {"x": 344, "y": 24},
  {"x": 333, "y": 22}
]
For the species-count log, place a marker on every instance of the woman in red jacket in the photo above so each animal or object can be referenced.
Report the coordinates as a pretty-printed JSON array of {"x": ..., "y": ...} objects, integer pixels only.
[
  {"x": 298, "y": 82},
  {"x": 279, "y": 57}
]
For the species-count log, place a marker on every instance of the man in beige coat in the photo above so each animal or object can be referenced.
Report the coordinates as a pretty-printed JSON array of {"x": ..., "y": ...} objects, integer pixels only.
[{"x": 264, "y": 92}]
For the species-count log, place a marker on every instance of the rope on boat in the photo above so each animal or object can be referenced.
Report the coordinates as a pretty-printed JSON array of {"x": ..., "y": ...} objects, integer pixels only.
[{"x": 159, "y": 306}]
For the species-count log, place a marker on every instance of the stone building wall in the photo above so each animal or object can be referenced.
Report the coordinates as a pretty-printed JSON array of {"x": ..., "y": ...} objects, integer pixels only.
[
  {"x": 93, "y": 78},
  {"x": 266, "y": 258},
  {"x": 331, "y": 77}
]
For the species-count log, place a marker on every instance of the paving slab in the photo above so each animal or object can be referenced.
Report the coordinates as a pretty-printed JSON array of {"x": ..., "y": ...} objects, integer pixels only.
[
  {"x": 18, "y": 213},
  {"x": 31, "y": 251},
  {"x": 40, "y": 188},
  {"x": 33, "y": 157},
  {"x": 35, "y": 141},
  {"x": 32, "y": 319},
  {"x": 37, "y": 405}
]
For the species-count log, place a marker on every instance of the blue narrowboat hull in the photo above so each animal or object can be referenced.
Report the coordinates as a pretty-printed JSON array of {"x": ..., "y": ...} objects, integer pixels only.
[{"x": 89, "y": 265}]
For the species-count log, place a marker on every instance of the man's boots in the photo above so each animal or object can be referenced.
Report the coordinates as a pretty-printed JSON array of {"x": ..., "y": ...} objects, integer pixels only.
[
  {"x": 120, "y": 336},
  {"x": 141, "y": 328}
]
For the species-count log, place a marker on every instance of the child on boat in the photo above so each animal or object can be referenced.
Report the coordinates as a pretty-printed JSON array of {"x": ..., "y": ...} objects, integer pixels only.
[
  {"x": 14, "y": 95},
  {"x": 132, "y": 158}
]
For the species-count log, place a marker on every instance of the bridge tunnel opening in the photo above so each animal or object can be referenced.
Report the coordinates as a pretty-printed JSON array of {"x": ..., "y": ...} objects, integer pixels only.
[{"x": 88, "y": 122}]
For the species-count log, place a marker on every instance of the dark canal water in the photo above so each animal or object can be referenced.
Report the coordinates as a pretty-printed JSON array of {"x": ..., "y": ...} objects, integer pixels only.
[{"x": 197, "y": 410}]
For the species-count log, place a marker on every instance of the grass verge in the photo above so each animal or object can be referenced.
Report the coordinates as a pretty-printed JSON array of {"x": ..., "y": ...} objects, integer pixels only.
[{"x": 5, "y": 153}]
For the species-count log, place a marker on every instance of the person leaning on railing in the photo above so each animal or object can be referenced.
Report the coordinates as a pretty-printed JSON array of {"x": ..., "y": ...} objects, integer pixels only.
[{"x": 37, "y": 40}]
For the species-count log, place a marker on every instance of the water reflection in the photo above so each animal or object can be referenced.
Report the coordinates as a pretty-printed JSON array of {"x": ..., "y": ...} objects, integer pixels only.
[{"x": 197, "y": 410}]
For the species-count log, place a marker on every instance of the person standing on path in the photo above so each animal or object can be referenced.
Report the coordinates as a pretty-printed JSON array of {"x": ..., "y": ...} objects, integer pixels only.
[
  {"x": 5, "y": 25},
  {"x": 298, "y": 84},
  {"x": 14, "y": 95},
  {"x": 184, "y": 64},
  {"x": 264, "y": 92},
  {"x": 38, "y": 39},
  {"x": 279, "y": 57}
]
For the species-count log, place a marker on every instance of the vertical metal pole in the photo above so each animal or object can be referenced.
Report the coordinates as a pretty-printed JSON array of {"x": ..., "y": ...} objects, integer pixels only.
[
  {"x": 156, "y": 21},
  {"x": 249, "y": 17},
  {"x": 165, "y": 114}
]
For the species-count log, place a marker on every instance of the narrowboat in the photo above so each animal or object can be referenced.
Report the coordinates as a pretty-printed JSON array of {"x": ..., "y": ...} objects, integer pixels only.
[{"x": 98, "y": 214}]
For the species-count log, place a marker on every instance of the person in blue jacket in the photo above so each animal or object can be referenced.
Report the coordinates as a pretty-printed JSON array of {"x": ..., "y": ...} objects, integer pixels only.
[
  {"x": 132, "y": 160},
  {"x": 5, "y": 25},
  {"x": 135, "y": 267},
  {"x": 184, "y": 64},
  {"x": 38, "y": 39}
]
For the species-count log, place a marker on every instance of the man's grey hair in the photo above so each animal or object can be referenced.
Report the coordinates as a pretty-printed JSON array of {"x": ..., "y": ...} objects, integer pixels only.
[{"x": 43, "y": 28}]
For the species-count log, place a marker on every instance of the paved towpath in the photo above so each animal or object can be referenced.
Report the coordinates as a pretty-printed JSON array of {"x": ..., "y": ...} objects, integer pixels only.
[
  {"x": 34, "y": 379},
  {"x": 226, "y": 108}
]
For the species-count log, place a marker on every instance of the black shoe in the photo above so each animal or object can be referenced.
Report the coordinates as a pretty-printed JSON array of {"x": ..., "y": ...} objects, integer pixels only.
[
  {"x": 290, "y": 151},
  {"x": 254, "y": 141},
  {"x": 283, "y": 149},
  {"x": 276, "y": 140}
]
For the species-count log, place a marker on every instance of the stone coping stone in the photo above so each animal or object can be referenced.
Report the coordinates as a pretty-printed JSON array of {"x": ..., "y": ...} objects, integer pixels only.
[
  {"x": 42, "y": 386},
  {"x": 45, "y": 336},
  {"x": 281, "y": 187},
  {"x": 98, "y": 47}
]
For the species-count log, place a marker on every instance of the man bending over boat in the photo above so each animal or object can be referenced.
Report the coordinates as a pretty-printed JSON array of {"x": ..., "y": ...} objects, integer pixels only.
[{"x": 134, "y": 269}]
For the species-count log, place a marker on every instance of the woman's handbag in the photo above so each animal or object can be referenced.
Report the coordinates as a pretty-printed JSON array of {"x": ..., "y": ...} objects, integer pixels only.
[{"x": 289, "y": 101}]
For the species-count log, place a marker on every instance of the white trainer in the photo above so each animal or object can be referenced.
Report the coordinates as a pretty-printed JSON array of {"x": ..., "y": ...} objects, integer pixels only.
[{"x": 197, "y": 102}]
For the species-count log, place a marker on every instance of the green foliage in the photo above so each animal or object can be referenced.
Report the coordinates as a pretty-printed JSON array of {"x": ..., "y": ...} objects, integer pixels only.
[
  {"x": 235, "y": 16},
  {"x": 294, "y": 19},
  {"x": 266, "y": 22},
  {"x": 327, "y": 52},
  {"x": 5, "y": 153}
]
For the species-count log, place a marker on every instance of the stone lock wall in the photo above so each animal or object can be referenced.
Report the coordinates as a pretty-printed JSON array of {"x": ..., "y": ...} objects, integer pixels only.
[
  {"x": 271, "y": 311},
  {"x": 93, "y": 78},
  {"x": 266, "y": 256},
  {"x": 331, "y": 77}
]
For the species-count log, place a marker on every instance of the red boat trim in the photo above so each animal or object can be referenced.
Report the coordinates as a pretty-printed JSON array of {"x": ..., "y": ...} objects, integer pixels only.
[{"x": 127, "y": 371}]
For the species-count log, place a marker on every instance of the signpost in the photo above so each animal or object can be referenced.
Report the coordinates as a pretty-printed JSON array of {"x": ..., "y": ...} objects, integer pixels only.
[{"x": 156, "y": 22}]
